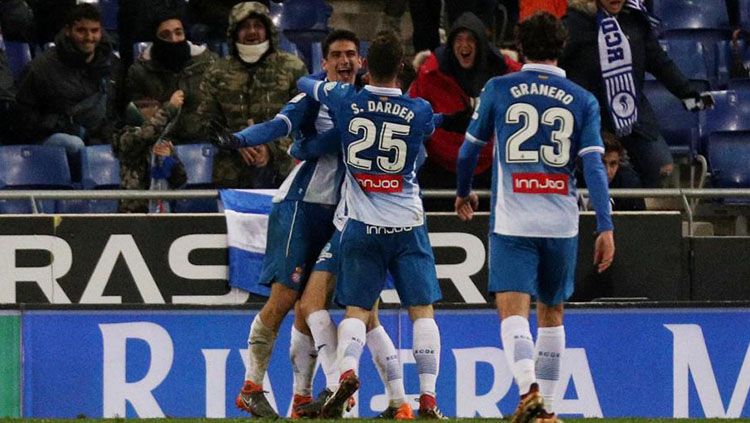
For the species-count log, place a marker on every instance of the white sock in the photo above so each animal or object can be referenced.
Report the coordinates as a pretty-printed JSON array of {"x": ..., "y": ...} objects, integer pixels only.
[
  {"x": 426, "y": 346},
  {"x": 260, "y": 342},
  {"x": 303, "y": 355},
  {"x": 352, "y": 335},
  {"x": 550, "y": 346},
  {"x": 519, "y": 350},
  {"x": 385, "y": 357},
  {"x": 324, "y": 333}
]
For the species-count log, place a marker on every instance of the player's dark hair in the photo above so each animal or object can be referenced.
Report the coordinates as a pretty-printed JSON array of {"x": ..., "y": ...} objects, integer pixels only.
[
  {"x": 384, "y": 56},
  {"x": 541, "y": 37},
  {"x": 83, "y": 11},
  {"x": 339, "y": 35},
  {"x": 612, "y": 144}
]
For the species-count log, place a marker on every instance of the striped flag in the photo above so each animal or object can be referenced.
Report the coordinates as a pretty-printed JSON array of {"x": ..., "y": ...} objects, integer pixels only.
[{"x": 247, "y": 213}]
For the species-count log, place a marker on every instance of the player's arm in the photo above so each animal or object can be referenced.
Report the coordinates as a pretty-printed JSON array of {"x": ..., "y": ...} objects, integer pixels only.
[
  {"x": 287, "y": 120},
  {"x": 328, "y": 142},
  {"x": 596, "y": 181},
  {"x": 477, "y": 135},
  {"x": 327, "y": 93}
]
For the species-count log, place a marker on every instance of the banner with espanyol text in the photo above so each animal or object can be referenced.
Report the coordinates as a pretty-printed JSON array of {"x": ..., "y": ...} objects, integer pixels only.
[{"x": 618, "y": 362}]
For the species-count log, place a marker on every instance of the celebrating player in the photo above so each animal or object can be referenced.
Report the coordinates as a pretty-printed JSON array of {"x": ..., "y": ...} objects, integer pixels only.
[
  {"x": 299, "y": 226},
  {"x": 541, "y": 122},
  {"x": 381, "y": 135}
]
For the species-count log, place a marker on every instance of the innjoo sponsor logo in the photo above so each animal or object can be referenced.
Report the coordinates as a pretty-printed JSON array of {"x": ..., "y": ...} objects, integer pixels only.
[
  {"x": 380, "y": 183},
  {"x": 540, "y": 183}
]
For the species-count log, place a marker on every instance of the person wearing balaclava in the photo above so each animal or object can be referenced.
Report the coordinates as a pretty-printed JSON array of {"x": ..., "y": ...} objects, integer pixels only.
[
  {"x": 250, "y": 85},
  {"x": 451, "y": 79},
  {"x": 172, "y": 65}
]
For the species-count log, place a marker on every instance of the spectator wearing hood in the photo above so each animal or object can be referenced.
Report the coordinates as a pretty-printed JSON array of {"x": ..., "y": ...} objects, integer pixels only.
[
  {"x": 209, "y": 18},
  {"x": 172, "y": 65},
  {"x": 450, "y": 80},
  {"x": 250, "y": 85},
  {"x": 66, "y": 96}
]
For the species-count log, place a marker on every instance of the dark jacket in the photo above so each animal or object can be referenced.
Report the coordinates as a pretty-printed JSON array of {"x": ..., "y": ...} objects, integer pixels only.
[
  {"x": 451, "y": 89},
  {"x": 581, "y": 61},
  {"x": 147, "y": 79},
  {"x": 56, "y": 92}
]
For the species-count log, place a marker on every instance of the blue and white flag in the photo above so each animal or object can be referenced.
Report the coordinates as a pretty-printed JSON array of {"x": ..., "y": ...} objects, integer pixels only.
[{"x": 247, "y": 212}]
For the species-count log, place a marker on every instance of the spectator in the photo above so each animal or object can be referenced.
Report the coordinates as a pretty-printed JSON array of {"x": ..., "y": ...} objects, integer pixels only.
[
  {"x": 17, "y": 21},
  {"x": 450, "y": 80},
  {"x": 209, "y": 18},
  {"x": 172, "y": 64},
  {"x": 620, "y": 175},
  {"x": 250, "y": 85},
  {"x": 146, "y": 121},
  {"x": 529, "y": 7},
  {"x": 66, "y": 96},
  {"x": 135, "y": 21},
  {"x": 631, "y": 50}
]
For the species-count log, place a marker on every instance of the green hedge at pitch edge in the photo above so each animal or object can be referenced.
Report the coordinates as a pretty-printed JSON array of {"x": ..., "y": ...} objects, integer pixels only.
[{"x": 10, "y": 375}]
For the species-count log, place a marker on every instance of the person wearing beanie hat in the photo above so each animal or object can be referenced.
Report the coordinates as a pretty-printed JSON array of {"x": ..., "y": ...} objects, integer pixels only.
[
  {"x": 172, "y": 64},
  {"x": 250, "y": 85}
]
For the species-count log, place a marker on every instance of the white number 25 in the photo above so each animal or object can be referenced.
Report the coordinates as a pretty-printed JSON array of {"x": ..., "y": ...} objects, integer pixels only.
[
  {"x": 528, "y": 115},
  {"x": 386, "y": 143}
]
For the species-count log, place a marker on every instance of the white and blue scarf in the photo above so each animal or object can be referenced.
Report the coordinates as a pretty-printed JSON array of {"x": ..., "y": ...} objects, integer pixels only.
[{"x": 617, "y": 68}]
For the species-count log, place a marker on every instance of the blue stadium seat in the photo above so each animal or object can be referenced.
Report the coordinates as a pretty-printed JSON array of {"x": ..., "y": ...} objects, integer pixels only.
[
  {"x": 100, "y": 169},
  {"x": 708, "y": 38},
  {"x": 724, "y": 60},
  {"x": 678, "y": 126},
  {"x": 691, "y": 14},
  {"x": 109, "y": 10},
  {"x": 305, "y": 22},
  {"x": 689, "y": 55},
  {"x": 728, "y": 158},
  {"x": 19, "y": 54},
  {"x": 730, "y": 113},
  {"x": 198, "y": 160},
  {"x": 32, "y": 167}
]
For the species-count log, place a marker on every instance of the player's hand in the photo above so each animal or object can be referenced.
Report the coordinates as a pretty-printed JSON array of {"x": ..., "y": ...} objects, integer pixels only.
[
  {"x": 222, "y": 137},
  {"x": 465, "y": 206},
  {"x": 604, "y": 250}
]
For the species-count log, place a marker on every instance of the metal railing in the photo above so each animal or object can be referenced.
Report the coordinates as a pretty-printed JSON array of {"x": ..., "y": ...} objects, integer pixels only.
[{"x": 685, "y": 194}]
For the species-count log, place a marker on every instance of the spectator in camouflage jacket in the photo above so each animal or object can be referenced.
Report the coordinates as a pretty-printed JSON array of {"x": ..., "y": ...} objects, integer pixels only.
[
  {"x": 250, "y": 85},
  {"x": 170, "y": 64},
  {"x": 145, "y": 122}
]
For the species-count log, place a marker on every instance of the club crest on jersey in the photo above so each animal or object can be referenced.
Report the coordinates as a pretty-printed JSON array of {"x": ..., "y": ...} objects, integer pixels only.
[
  {"x": 540, "y": 183},
  {"x": 380, "y": 183}
]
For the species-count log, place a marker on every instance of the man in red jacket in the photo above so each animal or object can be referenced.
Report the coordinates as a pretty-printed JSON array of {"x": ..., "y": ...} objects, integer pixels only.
[{"x": 451, "y": 79}]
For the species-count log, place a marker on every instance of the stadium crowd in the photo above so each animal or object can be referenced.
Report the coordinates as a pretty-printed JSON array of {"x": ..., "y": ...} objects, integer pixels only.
[
  {"x": 195, "y": 63},
  {"x": 176, "y": 76}
]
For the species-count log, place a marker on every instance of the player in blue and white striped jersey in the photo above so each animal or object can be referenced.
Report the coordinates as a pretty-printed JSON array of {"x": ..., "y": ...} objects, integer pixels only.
[
  {"x": 540, "y": 122},
  {"x": 382, "y": 133},
  {"x": 300, "y": 224}
]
